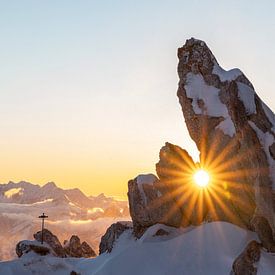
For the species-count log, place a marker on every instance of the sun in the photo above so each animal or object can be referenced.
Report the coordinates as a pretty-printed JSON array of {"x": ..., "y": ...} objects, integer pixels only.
[{"x": 201, "y": 178}]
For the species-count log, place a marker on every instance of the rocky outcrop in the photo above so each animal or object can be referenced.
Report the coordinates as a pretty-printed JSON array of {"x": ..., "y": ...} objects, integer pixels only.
[
  {"x": 245, "y": 264},
  {"x": 234, "y": 132},
  {"x": 24, "y": 247},
  {"x": 262, "y": 227},
  {"x": 173, "y": 199},
  {"x": 52, "y": 241},
  {"x": 175, "y": 170},
  {"x": 149, "y": 203},
  {"x": 112, "y": 234},
  {"x": 51, "y": 245},
  {"x": 74, "y": 248}
]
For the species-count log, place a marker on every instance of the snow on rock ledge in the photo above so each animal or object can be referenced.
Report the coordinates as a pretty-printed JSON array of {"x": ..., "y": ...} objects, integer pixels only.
[
  {"x": 234, "y": 131},
  {"x": 26, "y": 246}
]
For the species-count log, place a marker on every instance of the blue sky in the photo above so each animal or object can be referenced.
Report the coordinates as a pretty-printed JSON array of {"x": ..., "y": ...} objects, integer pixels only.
[{"x": 88, "y": 88}]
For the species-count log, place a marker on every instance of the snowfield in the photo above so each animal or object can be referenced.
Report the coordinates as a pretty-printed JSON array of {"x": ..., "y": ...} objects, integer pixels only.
[{"x": 207, "y": 249}]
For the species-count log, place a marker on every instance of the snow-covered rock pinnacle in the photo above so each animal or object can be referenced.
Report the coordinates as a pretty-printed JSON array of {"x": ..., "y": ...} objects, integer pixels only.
[{"x": 234, "y": 132}]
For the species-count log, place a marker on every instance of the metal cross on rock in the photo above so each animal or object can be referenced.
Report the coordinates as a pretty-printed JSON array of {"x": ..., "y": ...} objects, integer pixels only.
[{"x": 43, "y": 217}]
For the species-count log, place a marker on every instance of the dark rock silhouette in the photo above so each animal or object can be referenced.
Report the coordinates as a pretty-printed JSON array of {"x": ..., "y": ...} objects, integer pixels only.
[
  {"x": 112, "y": 234},
  {"x": 175, "y": 170},
  {"x": 150, "y": 203},
  {"x": 74, "y": 248},
  {"x": 51, "y": 245},
  {"x": 262, "y": 227},
  {"x": 24, "y": 247},
  {"x": 52, "y": 241},
  {"x": 245, "y": 262}
]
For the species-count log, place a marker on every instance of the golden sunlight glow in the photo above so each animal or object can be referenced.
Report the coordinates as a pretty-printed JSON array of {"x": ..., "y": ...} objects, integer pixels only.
[
  {"x": 201, "y": 178},
  {"x": 12, "y": 192}
]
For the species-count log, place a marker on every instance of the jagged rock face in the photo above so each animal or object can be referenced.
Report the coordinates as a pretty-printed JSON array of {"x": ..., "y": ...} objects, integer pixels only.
[
  {"x": 74, "y": 248},
  {"x": 111, "y": 235},
  {"x": 175, "y": 170},
  {"x": 52, "y": 241},
  {"x": 245, "y": 263},
  {"x": 234, "y": 132},
  {"x": 24, "y": 247},
  {"x": 173, "y": 199},
  {"x": 51, "y": 245},
  {"x": 150, "y": 203}
]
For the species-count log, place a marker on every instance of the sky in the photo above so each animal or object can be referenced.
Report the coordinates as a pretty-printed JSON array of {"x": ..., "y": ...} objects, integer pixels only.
[{"x": 88, "y": 88}]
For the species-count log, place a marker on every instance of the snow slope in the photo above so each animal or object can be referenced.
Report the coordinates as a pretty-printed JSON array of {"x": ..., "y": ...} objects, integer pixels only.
[{"x": 207, "y": 249}]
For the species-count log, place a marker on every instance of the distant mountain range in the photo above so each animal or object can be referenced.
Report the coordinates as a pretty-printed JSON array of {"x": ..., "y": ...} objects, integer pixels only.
[
  {"x": 70, "y": 212},
  {"x": 74, "y": 203}
]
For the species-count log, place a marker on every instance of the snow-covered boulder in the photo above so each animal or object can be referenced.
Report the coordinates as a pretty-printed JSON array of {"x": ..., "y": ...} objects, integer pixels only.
[
  {"x": 167, "y": 200},
  {"x": 52, "y": 241},
  {"x": 234, "y": 132},
  {"x": 112, "y": 234},
  {"x": 24, "y": 247},
  {"x": 149, "y": 204},
  {"x": 74, "y": 248}
]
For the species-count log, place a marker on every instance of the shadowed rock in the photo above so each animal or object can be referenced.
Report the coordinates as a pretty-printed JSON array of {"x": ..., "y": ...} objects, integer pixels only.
[
  {"x": 24, "y": 247},
  {"x": 262, "y": 227},
  {"x": 175, "y": 170},
  {"x": 161, "y": 232},
  {"x": 149, "y": 203},
  {"x": 52, "y": 241},
  {"x": 245, "y": 262},
  {"x": 51, "y": 245},
  {"x": 112, "y": 234},
  {"x": 74, "y": 248}
]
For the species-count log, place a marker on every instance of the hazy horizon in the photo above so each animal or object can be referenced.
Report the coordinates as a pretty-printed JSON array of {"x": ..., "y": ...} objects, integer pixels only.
[{"x": 88, "y": 88}]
